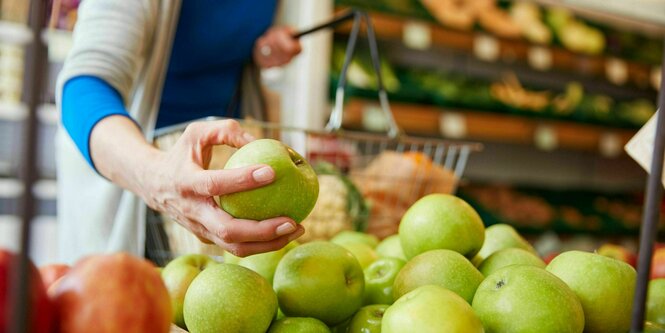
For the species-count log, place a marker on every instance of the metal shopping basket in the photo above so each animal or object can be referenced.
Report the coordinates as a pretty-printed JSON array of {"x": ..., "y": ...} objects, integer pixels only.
[{"x": 391, "y": 170}]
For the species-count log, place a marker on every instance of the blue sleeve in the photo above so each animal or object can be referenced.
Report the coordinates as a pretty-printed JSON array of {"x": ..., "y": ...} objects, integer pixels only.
[{"x": 85, "y": 101}]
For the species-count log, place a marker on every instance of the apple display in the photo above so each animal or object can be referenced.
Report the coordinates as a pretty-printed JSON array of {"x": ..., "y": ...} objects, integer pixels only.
[
  {"x": 651, "y": 327},
  {"x": 522, "y": 298},
  {"x": 348, "y": 236},
  {"x": 229, "y": 298},
  {"x": 293, "y": 193},
  {"x": 363, "y": 252},
  {"x": 445, "y": 268},
  {"x": 605, "y": 287},
  {"x": 618, "y": 252},
  {"x": 379, "y": 279},
  {"x": 508, "y": 257},
  {"x": 178, "y": 275},
  {"x": 390, "y": 247},
  {"x": 52, "y": 272},
  {"x": 113, "y": 293},
  {"x": 298, "y": 325},
  {"x": 320, "y": 280},
  {"x": 368, "y": 319},
  {"x": 41, "y": 310},
  {"x": 266, "y": 263},
  {"x": 502, "y": 236},
  {"x": 656, "y": 301},
  {"x": 441, "y": 221},
  {"x": 430, "y": 309}
]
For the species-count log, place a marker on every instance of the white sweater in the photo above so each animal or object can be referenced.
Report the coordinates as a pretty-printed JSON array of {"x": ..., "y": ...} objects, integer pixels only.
[{"x": 127, "y": 44}]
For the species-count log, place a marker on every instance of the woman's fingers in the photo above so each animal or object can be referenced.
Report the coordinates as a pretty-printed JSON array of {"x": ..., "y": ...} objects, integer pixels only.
[
  {"x": 218, "y": 132},
  {"x": 247, "y": 249},
  {"x": 210, "y": 183}
]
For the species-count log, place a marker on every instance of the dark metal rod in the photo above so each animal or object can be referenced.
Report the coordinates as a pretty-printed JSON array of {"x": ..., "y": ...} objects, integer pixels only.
[
  {"x": 330, "y": 24},
  {"x": 32, "y": 92},
  {"x": 650, "y": 215}
]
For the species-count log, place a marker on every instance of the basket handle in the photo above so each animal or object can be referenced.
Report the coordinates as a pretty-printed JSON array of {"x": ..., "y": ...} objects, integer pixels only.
[{"x": 335, "y": 121}]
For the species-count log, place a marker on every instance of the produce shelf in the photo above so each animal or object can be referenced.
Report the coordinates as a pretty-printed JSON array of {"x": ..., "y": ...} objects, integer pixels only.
[{"x": 429, "y": 120}]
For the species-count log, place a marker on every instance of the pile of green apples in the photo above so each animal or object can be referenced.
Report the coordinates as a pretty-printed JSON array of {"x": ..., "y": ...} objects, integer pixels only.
[{"x": 443, "y": 272}]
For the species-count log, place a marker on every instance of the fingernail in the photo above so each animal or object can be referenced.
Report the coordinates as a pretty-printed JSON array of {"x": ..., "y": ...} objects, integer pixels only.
[
  {"x": 248, "y": 137},
  {"x": 285, "y": 229},
  {"x": 263, "y": 174}
]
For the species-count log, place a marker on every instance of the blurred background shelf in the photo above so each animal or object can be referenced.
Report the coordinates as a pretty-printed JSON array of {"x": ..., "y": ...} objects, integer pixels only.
[{"x": 14, "y": 33}]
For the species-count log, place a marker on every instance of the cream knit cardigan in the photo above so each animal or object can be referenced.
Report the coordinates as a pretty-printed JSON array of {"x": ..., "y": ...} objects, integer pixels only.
[{"x": 126, "y": 43}]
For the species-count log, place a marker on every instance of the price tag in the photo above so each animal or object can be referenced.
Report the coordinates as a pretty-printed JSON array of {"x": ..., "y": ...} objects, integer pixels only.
[
  {"x": 417, "y": 35},
  {"x": 540, "y": 58},
  {"x": 545, "y": 138},
  {"x": 452, "y": 125},
  {"x": 656, "y": 78},
  {"x": 486, "y": 47},
  {"x": 610, "y": 145},
  {"x": 616, "y": 71}
]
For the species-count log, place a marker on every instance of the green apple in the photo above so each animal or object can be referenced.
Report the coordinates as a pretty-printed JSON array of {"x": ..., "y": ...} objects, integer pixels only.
[
  {"x": 445, "y": 268},
  {"x": 293, "y": 193},
  {"x": 651, "y": 327},
  {"x": 508, "y": 257},
  {"x": 656, "y": 301},
  {"x": 320, "y": 280},
  {"x": 379, "y": 279},
  {"x": 441, "y": 221},
  {"x": 605, "y": 287},
  {"x": 342, "y": 327},
  {"x": 390, "y": 247},
  {"x": 368, "y": 319},
  {"x": 523, "y": 298},
  {"x": 363, "y": 252},
  {"x": 265, "y": 263},
  {"x": 229, "y": 298},
  {"x": 298, "y": 325},
  {"x": 499, "y": 237},
  {"x": 229, "y": 258},
  {"x": 178, "y": 275},
  {"x": 348, "y": 236},
  {"x": 430, "y": 309}
]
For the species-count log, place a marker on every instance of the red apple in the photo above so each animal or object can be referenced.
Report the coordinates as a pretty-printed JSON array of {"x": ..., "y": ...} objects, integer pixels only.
[
  {"x": 51, "y": 273},
  {"x": 618, "y": 252},
  {"x": 41, "y": 309},
  {"x": 547, "y": 258},
  {"x": 113, "y": 293},
  {"x": 658, "y": 264}
]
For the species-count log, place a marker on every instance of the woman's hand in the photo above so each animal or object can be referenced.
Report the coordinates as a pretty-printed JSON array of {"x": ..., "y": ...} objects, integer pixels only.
[
  {"x": 177, "y": 183},
  {"x": 276, "y": 47}
]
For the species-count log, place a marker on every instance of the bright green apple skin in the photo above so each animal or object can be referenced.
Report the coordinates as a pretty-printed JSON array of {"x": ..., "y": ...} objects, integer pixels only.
[
  {"x": 523, "y": 298},
  {"x": 390, "y": 247},
  {"x": 445, "y": 268},
  {"x": 266, "y": 263},
  {"x": 229, "y": 298},
  {"x": 348, "y": 236},
  {"x": 441, "y": 221},
  {"x": 507, "y": 257},
  {"x": 363, "y": 252},
  {"x": 499, "y": 237},
  {"x": 298, "y": 325},
  {"x": 178, "y": 275},
  {"x": 229, "y": 258},
  {"x": 293, "y": 193},
  {"x": 656, "y": 301},
  {"x": 320, "y": 280},
  {"x": 368, "y": 319},
  {"x": 651, "y": 327},
  {"x": 430, "y": 309},
  {"x": 605, "y": 287},
  {"x": 379, "y": 279}
]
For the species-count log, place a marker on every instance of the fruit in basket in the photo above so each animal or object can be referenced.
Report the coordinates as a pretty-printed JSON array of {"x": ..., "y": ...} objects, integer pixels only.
[
  {"x": 390, "y": 247},
  {"x": 320, "y": 280},
  {"x": 605, "y": 287},
  {"x": 430, "y": 308},
  {"x": 113, "y": 293},
  {"x": 346, "y": 237},
  {"x": 298, "y": 325},
  {"x": 509, "y": 257},
  {"x": 368, "y": 319},
  {"x": 178, "y": 275},
  {"x": 441, "y": 221},
  {"x": 379, "y": 279},
  {"x": 523, "y": 298},
  {"x": 229, "y": 298},
  {"x": 658, "y": 264},
  {"x": 618, "y": 252},
  {"x": 41, "y": 310},
  {"x": 656, "y": 301},
  {"x": 499, "y": 237},
  {"x": 445, "y": 268},
  {"x": 266, "y": 263},
  {"x": 52, "y": 272},
  {"x": 293, "y": 193}
]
